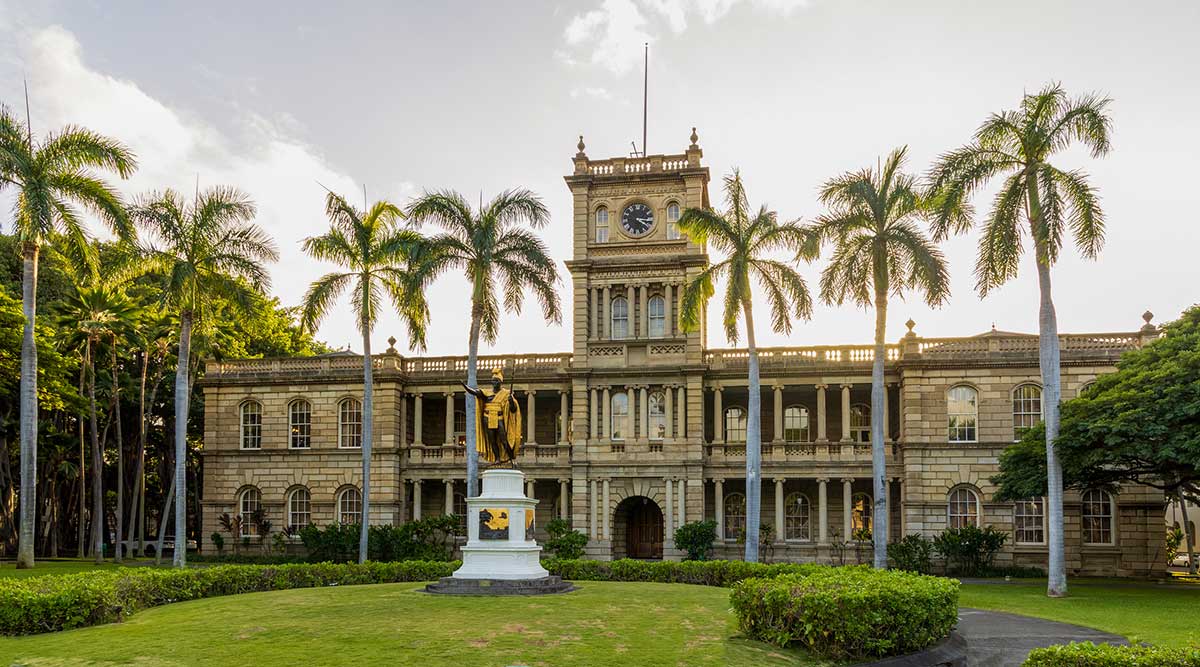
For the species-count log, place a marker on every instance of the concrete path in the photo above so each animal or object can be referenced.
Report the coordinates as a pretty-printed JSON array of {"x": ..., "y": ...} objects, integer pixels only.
[{"x": 996, "y": 639}]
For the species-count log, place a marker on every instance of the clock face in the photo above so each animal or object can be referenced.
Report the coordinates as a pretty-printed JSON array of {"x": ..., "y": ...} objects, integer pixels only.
[{"x": 637, "y": 219}]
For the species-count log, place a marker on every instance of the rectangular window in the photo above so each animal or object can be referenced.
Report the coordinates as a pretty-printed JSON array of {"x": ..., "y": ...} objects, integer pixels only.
[
  {"x": 300, "y": 416},
  {"x": 1029, "y": 522}
]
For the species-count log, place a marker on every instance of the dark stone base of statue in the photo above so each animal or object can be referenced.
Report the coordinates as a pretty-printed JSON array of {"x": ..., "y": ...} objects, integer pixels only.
[{"x": 542, "y": 586}]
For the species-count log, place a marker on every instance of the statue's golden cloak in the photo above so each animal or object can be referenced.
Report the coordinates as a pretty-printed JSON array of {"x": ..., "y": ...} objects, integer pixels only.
[{"x": 506, "y": 411}]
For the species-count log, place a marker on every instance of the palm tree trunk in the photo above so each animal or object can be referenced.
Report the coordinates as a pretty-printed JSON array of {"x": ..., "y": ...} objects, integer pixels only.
[
  {"x": 82, "y": 478},
  {"x": 29, "y": 408},
  {"x": 469, "y": 401},
  {"x": 1188, "y": 537},
  {"x": 753, "y": 443},
  {"x": 162, "y": 522},
  {"x": 1048, "y": 359},
  {"x": 139, "y": 481},
  {"x": 368, "y": 419},
  {"x": 97, "y": 461},
  {"x": 179, "y": 558},
  {"x": 116, "y": 389},
  {"x": 880, "y": 529}
]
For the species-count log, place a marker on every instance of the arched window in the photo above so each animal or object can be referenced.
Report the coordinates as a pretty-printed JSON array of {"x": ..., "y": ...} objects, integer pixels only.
[
  {"x": 796, "y": 516},
  {"x": 620, "y": 318},
  {"x": 602, "y": 224},
  {"x": 251, "y": 425},
  {"x": 860, "y": 422},
  {"x": 735, "y": 424},
  {"x": 962, "y": 412},
  {"x": 860, "y": 513},
  {"x": 619, "y": 424},
  {"x": 350, "y": 423},
  {"x": 249, "y": 505},
  {"x": 962, "y": 508},
  {"x": 349, "y": 505},
  {"x": 795, "y": 424},
  {"x": 658, "y": 317},
  {"x": 460, "y": 427},
  {"x": 299, "y": 509},
  {"x": 1097, "y": 517},
  {"x": 673, "y": 221},
  {"x": 656, "y": 409},
  {"x": 735, "y": 515},
  {"x": 1083, "y": 389},
  {"x": 300, "y": 424},
  {"x": 1029, "y": 522},
  {"x": 1027, "y": 408}
]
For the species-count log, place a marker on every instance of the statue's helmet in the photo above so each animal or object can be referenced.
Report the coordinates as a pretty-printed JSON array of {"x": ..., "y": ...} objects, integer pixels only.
[{"x": 498, "y": 375}]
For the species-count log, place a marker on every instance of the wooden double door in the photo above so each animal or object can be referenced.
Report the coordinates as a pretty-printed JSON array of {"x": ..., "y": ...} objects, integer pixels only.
[{"x": 644, "y": 534}]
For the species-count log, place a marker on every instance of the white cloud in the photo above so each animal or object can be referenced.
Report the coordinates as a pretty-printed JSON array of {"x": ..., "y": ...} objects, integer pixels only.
[
  {"x": 610, "y": 35},
  {"x": 594, "y": 92}
]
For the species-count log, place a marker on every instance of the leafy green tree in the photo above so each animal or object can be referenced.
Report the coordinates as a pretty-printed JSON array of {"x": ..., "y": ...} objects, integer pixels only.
[
  {"x": 495, "y": 251},
  {"x": 1045, "y": 201},
  {"x": 878, "y": 251},
  {"x": 376, "y": 254},
  {"x": 747, "y": 239},
  {"x": 1140, "y": 425},
  {"x": 51, "y": 179},
  {"x": 206, "y": 250}
]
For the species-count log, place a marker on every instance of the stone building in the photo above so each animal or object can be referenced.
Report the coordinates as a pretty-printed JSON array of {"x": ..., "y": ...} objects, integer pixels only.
[{"x": 641, "y": 427}]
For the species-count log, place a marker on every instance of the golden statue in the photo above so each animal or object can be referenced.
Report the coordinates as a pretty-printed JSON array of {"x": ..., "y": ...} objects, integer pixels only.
[{"x": 497, "y": 421}]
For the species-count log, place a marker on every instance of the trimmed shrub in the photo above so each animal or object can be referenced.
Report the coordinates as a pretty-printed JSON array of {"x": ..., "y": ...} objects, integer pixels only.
[
  {"x": 696, "y": 538},
  {"x": 429, "y": 539},
  {"x": 61, "y": 602},
  {"x": 722, "y": 573},
  {"x": 969, "y": 550},
  {"x": 565, "y": 542},
  {"x": 1088, "y": 654},
  {"x": 913, "y": 553},
  {"x": 849, "y": 612}
]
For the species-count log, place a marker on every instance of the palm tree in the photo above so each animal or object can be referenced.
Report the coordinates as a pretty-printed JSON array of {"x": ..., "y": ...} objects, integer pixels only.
[
  {"x": 377, "y": 254},
  {"x": 1017, "y": 145},
  {"x": 52, "y": 177},
  {"x": 746, "y": 239},
  {"x": 490, "y": 245},
  {"x": 207, "y": 251},
  {"x": 878, "y": 250}
]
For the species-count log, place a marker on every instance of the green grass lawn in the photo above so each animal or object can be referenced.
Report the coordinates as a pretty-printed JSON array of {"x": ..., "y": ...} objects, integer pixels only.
[
  {"x": 603, "y": 623},
  {"x": 64, "y": 566},
  {"x": 1164, "y": 615}
]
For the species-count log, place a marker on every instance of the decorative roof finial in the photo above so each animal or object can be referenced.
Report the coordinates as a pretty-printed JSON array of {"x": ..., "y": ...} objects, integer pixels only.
[
  {"x": 580, "y": 146},
  {"x": 695, "y": 137},
  {"x": 910, "y": 324},
  {"x": 1148, "y": 327},
  {"x": 391, "y": 345}
]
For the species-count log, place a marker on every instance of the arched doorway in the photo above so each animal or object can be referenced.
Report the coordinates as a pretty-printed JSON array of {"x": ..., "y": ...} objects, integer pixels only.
[{"x": 639, "y": 523}]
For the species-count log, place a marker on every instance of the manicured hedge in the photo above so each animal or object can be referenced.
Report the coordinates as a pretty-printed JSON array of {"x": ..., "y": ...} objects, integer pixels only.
[
  {"x": 848, "y": 612},
  {"x": 722, "y": 573},
  {"x": 60, "y": 602},
  {"x": 1088, "y": 654}
]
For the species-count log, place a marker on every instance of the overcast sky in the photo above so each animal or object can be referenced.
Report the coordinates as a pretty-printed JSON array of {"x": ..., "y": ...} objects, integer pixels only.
[{"x": 274, "y": 97}]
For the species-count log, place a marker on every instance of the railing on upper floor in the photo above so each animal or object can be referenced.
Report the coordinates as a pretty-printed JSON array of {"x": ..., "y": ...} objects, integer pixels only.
[
  {"x": 515, "y": 366},
  {"x": 790, "y": 357},
  {"x": 651, "y": 164}
]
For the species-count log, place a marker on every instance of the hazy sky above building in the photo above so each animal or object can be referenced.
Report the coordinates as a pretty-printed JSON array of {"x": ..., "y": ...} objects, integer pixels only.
[{"x": 276, "y": 97}]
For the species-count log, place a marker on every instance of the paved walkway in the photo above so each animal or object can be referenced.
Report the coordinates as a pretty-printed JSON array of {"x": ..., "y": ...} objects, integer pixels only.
[{"x": 996, "y": 639}]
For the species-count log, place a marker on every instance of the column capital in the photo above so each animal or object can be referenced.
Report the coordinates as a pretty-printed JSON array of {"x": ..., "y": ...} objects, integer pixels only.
[
  {"x": 822, "y": 480},
  {"x": 821, "y": 386},
  {"x": 447, "y": 480},
  {"x": 718, "y": 480},
  {"x": 847, "y": 385},
  {"x": 847, "y": 480},
  {"x": 779, "y": 480},
  {"x": 563, "y": 480}
]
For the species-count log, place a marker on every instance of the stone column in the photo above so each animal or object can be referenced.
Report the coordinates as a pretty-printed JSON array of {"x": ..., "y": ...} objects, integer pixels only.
[
  {"x": 779, "y": 536},
  {"x": 449, "y": 496},
  {"x": 887, "y": 422},
  {"x": 670, "y": 510},
  {"x": 822, "y": 511},
  {"x": 887, "y": 506},
  {"x": 593, "y": 425},
  {"x": 668, "y": 328},
  {"x": 682, "y": 431},
  {"x": 606, "y": 321},
  {"x": 564, "y": 417},
  {"x": 719, "y": 502},
  {"x": 644, "y": 311},
  {"x": 643, "y": 414},
  {"x": 606, "y": 412},
  {"x": 403, "y": 420},
  {"x": 593, "y": 305},
  {"x": 531, "y": 418},
  {"x": 449, "y": 417},
  {"x": 822, "y": 429},
  {"x": 847, "y": 508},
  {"x": 607, "y": 513},
  {"x": 669, "y": 411},
  {"x": 529, "y": 488},
  {"x": 562, "y": 498},
  {"x": 777, "y": 436},
  {"x": 416, "y": 513},
  {"x": 682, "y": 502},
  {"x": 718, "y": 417},
  {"x": 418, "y": 436},
  {"x": 593, "y": 503},
  {"x": 631, "y": 299},
  {"x": 846, "y": 413}
]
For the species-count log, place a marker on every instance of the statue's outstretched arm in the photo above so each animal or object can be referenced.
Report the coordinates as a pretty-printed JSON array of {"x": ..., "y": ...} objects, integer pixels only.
[{"x": 472, "y": 390}]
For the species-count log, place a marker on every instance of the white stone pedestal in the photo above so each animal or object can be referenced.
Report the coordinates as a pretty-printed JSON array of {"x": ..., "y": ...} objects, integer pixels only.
[{"x": 500, "y": 544}]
